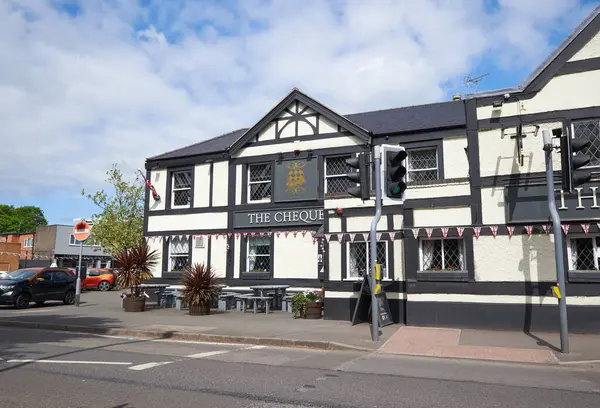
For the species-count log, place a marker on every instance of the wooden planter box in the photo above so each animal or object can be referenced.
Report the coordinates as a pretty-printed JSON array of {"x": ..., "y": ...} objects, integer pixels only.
[
  {"x": 313, "y": 310},
  {"x": 202, "y": 309},
  {"x": 134, "y": 304}
]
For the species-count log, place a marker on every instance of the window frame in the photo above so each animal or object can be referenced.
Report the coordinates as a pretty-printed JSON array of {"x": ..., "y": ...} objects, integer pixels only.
[
  {"x": 575, "y": 275},
  {"x": 461, "y": 275},
  {"x": 571, "y": 129},
  {"x": 245, "y": 263},
  {"x": 386, "y": 273},
  {"x": 172, "y": 188},
  {"x": 26, "y": 241},
  {"x": 74, "y": 242},
  {"x": 328, "y": 176},
  {"x": 169, "y": 255},
  {"x": 410, "y": 150},
  {"x": 249, "y": 182}
]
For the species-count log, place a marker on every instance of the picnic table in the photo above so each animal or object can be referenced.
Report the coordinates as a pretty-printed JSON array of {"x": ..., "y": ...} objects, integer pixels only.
[{"x": 278, "y": 292}]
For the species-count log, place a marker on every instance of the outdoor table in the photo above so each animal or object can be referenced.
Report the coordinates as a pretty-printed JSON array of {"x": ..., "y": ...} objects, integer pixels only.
[
  {"x": 278, "y": 296},
  {"x": 160, "y": 286}
]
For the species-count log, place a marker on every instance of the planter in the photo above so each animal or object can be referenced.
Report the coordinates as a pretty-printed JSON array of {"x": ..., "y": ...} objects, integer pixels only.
[
  {"x": 134, "y": 304},
  {"x": 313, "y": 310},
  {"x": 201, "y": 309}
]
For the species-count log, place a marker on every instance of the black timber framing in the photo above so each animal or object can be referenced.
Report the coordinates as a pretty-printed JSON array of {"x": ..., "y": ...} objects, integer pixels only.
[
  {"x": 534, "y": 118},
  {"x": 584, "y": 65},
  {"x": 291, "y": 140},
  {"x": 231, "y": 192},
  {"x": 211, "y": 175},
  {"x": 344, "y": 248},
  {"x": 147, "y": 203},
  {"x": 186, "y": 161},
  {"x": 473, "y": 155}
]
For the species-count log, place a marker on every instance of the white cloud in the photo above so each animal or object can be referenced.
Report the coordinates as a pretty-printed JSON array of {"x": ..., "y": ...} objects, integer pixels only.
[{"x": 78, "y": 93}]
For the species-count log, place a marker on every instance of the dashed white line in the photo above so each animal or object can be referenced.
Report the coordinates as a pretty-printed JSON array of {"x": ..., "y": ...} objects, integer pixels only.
[
  {"x": 69, "y": 362},
  {"x": 146, "y": 366},
  {"x": 208, "y": 354}
]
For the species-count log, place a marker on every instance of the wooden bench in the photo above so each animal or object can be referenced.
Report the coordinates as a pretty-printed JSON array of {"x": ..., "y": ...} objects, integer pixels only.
[{"x": 264, "y": 301}]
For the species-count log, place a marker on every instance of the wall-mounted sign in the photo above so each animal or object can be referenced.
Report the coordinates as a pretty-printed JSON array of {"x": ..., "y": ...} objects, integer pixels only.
[
  {"x": 278, "y": 218},
  {"x": 529, "y": 203},
  {"x": 296, "y": 180}
]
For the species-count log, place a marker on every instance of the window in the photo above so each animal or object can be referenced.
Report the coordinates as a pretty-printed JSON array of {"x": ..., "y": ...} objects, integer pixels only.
[
  {"x": 259, "y": 254},
  {"x": 442, "y": 255},
  {"x": 584, "y": 254},
  {"x": 335, "y": 174},
  {"x": 199, "y": 242},
  {"x": 181, "y": 195},
  {"x": 28, "y": 243},
  {"x": 60, "y": 276},
  {"x": 259, "y": 182},
  {"x": 358, "y": 258},
  {"x": 179, "y": 254},
  {"x": 87, "y": 242},
  {"x": 422, "y": 165},
  {"x": 589, "y": 129}
]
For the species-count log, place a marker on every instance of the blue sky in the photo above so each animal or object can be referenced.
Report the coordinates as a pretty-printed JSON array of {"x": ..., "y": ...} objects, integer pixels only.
[{"x": 86, "y": 84}]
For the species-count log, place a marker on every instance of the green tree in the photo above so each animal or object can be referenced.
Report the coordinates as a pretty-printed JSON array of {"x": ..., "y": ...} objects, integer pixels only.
[
  {"x": 21, "y": 219},
  {"x": 120, "y": 224}
]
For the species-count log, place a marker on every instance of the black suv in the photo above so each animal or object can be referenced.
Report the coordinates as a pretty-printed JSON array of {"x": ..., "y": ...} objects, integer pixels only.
[{"x": 38, "y": 285}]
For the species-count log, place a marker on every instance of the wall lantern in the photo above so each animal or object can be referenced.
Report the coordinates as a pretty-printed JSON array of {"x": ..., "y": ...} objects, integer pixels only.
[{"x": 339, "y": 211}]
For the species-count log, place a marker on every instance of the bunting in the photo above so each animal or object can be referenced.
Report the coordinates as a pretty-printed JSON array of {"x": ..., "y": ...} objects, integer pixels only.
[
  {"x": 444, "y": 232},
  {"x": 494, "y": 229},
  {"x": 365, "y": 236},
  {"x": 327, "y": 237},
  {"x": 352, "y": 235},
  {"x": 415, "y": 232},
  {"x": 429, "y": 232},
  {"x": 565, "y": 228},
  {"x": 529, "y": 229},
  {"x": 546, "y": 228},
  {"x": 586, "y": 227},
  {"x": 460, "y": 231},
  {"x": 510, "y": 229},
  {"x": 477, "y": 232},
  {"x": 378, "y": 235}
]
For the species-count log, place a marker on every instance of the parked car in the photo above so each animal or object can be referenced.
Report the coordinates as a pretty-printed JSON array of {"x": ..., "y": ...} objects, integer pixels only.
[
  {"x": 38, "y": 285},
  {"x": 99, "y": 278},
  {"x": 3, "y": 274}
]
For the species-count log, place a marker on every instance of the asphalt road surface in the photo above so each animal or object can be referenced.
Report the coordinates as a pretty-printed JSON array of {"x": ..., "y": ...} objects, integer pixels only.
[{"x": 59, "y": 369}]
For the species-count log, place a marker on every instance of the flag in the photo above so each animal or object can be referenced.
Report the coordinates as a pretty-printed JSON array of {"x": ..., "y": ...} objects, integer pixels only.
[
  {"x": 494, "y": 229},
  {"x": 327, "y": 237},
  {"x": 529, "y": 229},
  {"x": 429, "y": 231},
  {"x": 378, "y": 235},
  {"x": 546, "y": 228},
  {"x": 415, "y": 232},
  {"x": 352, "y": 237},
  {"x": 586, "y": 227},
  {"x": 477, "y": 231},
  {"x": 460, "y": 231},
  {"x": 510, "y": 229},
  {"x": 445, "y": 231},
  {"x": 565, "y": 228}
]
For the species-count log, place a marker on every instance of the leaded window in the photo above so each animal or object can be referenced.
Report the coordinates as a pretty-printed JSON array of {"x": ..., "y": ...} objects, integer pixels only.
[
  {"x": 181, "y": 189},
  {"x": 359, "y": 255},
  {"x": 336, "y": 170},
  {"x": 259, "y": 254},
  {"x": 589, "y": 129},
  {"x": 422, "y": 165},
  {"x": 584, "y": 254},
  {"x": 179, "y": 253},
  {"x": 443, "y": 255},
  {"x": 259, "y": 182}
]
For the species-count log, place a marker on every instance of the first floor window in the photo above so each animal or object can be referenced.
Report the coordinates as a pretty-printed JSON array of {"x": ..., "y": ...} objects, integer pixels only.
[
  {"x": 28, "y": 243},
  {"x": 359, "y": 258},
  {"x": 259, "y": 254},
  {"x": 442, "y": 255},
  {"x": 336, "y": 170},
  {"x": 179, "y": 254},
  {"x": 182, "y": 189},
  {"x": 584, "y": 253},
  {"x": 422, "y": 165},
  {"x": 590, "y": 130},
  {"x": 259, "y": 182}
]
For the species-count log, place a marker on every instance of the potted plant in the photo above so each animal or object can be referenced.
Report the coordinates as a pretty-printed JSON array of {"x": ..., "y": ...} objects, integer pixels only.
[
  {"x": 135, "y": 265},
  {"x": 308, "y": 305},
  {"x": 200, "y": 289}
]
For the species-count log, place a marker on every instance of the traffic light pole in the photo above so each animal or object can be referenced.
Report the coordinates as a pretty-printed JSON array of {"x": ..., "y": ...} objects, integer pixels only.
[
  {"x": 558, "y": 244},
  {"x": 373, "y": 257}
]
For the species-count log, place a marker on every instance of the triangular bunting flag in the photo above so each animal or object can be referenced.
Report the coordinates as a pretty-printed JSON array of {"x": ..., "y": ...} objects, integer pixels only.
[
  {"x": 565, "y": 228},
  {"x": 352, "y": 237},
  {"x": 477, "y": 232},
  {"x": 494, "y": 229},
  {"x": 303, "y": 234},
  {"x": 460, "y": 231},
  {"x": 286, "y": 233},
  {"x": 365, "y": 236},
  {"x": 392, "y": 235},
  {"x": 237, "y": 235},
  {"x": 378, "y": 236},
  {"x": 586, "y": 227},
  {"x": 445, "y": 232},
  {"x": 415, "y": 232},
  {"x": 277, "y": 234},
  {"x": 529, "y": 229},
  {"x": 511, "y": 229},
  {"x": 229, "y": 234},
  {"x": 429, "y": 231},
  {"x": 327, "y": 237},
  {"x": 546, "y": 228},
  {"x": 294, "y": 233}
]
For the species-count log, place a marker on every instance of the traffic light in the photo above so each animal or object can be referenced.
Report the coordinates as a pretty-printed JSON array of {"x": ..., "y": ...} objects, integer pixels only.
[
  {"x": 571, "y": 160},
  {"x": 361, "y": 176},
  {"x": 393, "y": 172}
]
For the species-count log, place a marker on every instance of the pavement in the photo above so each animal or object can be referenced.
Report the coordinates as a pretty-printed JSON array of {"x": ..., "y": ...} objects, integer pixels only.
[
  {"x": 61, "y": 368},
  {"x": 100, "y": 313}
]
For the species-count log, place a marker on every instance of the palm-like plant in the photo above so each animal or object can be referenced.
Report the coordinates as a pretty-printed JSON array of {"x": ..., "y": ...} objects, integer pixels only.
[
  {"x": 200, "y": 284},
  {"x": 134, "y": 267}
]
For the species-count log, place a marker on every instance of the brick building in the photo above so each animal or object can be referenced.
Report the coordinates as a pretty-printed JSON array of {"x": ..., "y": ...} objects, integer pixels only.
[
  {"x": 9, "y": 256},
  {"x": 26, "y": 241}
]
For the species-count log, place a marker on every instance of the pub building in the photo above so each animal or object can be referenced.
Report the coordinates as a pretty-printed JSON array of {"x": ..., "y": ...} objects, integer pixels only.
[{"x": 471, "y": 246}]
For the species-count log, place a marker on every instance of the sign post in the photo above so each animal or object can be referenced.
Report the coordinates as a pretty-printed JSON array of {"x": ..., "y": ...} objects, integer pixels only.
[
  {"x": 373, "y": 258},
  {"x": 81, "y": 231}
]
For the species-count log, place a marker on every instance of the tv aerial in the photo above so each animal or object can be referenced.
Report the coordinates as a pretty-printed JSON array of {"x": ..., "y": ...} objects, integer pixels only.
[{"x": 469, "y": 81}]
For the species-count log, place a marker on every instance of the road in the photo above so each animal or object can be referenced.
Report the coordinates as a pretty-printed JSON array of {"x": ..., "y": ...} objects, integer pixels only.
[{"x": 60, "y": 369}]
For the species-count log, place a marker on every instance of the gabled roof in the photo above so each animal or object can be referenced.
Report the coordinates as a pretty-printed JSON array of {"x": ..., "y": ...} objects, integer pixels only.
[
  {"x": 296, "y": 95},
  {"x": 584, "y": 32}
]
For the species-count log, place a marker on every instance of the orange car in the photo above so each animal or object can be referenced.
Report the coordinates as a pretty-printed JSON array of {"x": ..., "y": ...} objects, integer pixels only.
[{"x": 97, "y": 278}]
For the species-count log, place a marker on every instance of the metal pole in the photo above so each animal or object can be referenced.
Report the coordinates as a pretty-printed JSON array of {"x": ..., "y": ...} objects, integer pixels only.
[
  {"x": 78, "y": 285},
  {"x": 558, "y": 244},
  {"x": 373, "y": 257}
]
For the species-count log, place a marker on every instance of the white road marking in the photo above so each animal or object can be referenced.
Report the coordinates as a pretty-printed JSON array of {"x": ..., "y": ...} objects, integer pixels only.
[
  {"x": 149, "y": 365},
  {"x": 208, "y": 354},
  {"x": 254, "y": 348},
  {"x": 69, "y": 362}
]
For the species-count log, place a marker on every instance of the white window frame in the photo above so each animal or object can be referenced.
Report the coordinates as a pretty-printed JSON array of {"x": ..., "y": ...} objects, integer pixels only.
[
  {"x": 572, "y": 136},
  {"x": 173, "y": 189},
  {"x": 596, "y": 252},
  {"x": 249, "y": 192},
  {"x": 199, "y": 242},
  {"x": 421, "y": 259},
  {"x": 171, "y": 254},
  {"x": 26, "y": 241},
  {"x": 75, "y": 242},
  {"x": 248, "y": 239},
  {"x": 328, "y": 176},
  {"x": 436, "y": 168},
  {"x": 385, "y": 274}
]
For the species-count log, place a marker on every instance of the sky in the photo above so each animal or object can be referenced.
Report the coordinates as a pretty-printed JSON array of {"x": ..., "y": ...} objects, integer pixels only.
[{"x": 84, "y": 84}]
